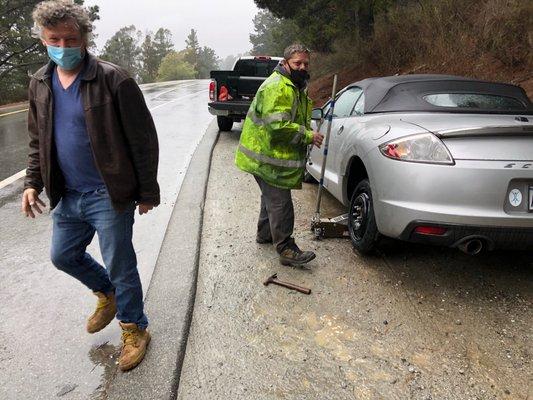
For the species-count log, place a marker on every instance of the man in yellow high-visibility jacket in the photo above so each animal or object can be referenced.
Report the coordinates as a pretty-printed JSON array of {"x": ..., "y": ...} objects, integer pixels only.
[{"x": 273, "y": 147}]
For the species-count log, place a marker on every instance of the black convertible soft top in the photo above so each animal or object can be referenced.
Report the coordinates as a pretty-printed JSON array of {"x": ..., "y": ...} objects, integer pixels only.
[{"x": 406, "y": 92}]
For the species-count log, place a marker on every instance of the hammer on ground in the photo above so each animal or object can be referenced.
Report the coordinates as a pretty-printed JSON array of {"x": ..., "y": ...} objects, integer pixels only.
[{"x": 274, "y": 279}]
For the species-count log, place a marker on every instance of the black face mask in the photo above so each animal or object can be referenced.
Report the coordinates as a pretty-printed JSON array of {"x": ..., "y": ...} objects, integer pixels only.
[{"x": 299, "y": 77}]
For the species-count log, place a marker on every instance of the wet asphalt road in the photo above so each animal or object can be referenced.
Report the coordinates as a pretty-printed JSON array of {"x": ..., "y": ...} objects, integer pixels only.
[
  {"x": 45, "y": 352},
  {"x": 13, "y": 143}
]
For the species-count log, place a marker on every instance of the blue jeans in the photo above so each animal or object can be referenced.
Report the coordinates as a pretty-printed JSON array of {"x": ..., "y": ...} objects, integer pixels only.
[{"x": 76, "y": 219}]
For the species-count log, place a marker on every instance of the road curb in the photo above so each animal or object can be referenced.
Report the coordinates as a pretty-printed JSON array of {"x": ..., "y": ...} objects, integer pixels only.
[{"x": 170, "y": 298}]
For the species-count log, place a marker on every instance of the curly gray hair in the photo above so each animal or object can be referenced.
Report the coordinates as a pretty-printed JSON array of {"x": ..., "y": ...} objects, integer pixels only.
[
  {"x": 294, "y": 49},
  {"x": 50, "y": 13}
]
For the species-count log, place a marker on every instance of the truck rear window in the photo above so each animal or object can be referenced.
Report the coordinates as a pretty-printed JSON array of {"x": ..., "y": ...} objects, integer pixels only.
[
  {"x": 475, "y": 101},
  {"x": 255, "y": 67}
]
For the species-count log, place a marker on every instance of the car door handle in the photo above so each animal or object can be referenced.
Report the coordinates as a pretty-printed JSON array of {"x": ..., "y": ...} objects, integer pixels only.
[{"x": 340, "y": 130}]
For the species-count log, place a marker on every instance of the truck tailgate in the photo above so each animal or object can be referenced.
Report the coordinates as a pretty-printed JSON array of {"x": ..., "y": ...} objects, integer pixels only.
[{"x": 232, "y": 106}]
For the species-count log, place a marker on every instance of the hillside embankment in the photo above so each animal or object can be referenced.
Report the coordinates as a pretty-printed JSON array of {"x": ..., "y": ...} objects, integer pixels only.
[{"x": 490, "y": 40}]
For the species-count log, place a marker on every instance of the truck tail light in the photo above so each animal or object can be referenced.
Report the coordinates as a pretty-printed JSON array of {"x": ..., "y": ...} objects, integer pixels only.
[{"x": 212, "y": 90}]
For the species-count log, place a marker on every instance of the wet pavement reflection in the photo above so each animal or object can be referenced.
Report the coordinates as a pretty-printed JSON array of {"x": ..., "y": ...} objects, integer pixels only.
[
  {"x": 13, "y": 144},
  {"x": 105, "y": 357},
  {"x": 45, "y": 352}
]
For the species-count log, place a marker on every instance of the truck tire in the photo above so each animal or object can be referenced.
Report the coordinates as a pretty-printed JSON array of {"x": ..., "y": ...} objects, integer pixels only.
[{"x": 224, "y": 123}]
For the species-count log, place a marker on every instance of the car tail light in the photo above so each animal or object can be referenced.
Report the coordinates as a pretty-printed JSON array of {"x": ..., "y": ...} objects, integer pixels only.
[
  {"x": 424, "y": 148},
  {"x": 262, "y": 58},
  {"x": 212, "y": 90},
  {"x": 430, "y": 230}
]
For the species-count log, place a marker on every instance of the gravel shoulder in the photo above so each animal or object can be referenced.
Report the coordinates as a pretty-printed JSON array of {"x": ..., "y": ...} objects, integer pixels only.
[{"x": 412, "y": 322}]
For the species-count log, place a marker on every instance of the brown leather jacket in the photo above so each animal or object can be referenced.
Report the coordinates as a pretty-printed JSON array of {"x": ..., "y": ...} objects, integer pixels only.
[{"x": 121, "y": 132}]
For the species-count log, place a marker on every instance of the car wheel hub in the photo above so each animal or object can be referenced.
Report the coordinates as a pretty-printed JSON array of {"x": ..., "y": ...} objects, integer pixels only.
[{"x": 359, "y": 215}]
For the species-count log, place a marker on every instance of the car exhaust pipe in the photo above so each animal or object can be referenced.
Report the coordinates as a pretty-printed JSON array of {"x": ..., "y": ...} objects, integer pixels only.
[{"x": 472, "y": 247}]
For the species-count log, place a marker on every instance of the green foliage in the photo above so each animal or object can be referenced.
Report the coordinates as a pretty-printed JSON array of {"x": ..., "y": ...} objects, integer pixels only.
[
  {"x": 20, "y": 54},
  {"x": 506, "y": 30},
  {"x": 149, "y": 59},
  {"x": 193, "y": 47},
  {"x": 174, "y": 67},
  {"x": 163, "y": 42},
  {"x": 152, "y": 53},
  {"x": 207, "y": 61},
  {"x": 322, "y": 22},
  {"x": 272, "y": 35},
  {"x": 489, "y": 40},
  {"x": 203, "y": 59},
  {"x": 123, "y": 49}
]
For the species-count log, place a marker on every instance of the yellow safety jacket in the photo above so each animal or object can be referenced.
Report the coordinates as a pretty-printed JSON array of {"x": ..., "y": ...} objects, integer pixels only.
[{"x": 276, "y": 133}]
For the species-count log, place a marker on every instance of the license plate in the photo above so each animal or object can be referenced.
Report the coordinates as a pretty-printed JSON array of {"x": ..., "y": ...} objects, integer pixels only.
[{"x": 531, "y": 198}]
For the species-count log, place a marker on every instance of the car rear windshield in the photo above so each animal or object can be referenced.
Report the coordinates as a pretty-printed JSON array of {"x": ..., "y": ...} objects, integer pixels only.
[
  {"x": 475, "y": 101},
  {"x": 256, "y": 67}
]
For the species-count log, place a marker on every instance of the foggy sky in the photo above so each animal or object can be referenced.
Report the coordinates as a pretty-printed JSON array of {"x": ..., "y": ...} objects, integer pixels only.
[{"x": 223, "y": 25}]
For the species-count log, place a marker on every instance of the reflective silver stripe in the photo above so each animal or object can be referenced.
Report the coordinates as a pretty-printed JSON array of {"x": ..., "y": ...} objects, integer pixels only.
[
  {"x": 294, "y": 109},
  {"x": 299, "y": 137},
  {"x": 253, "y": 116},
  {"x": 277, "y": 117},
  {"x": 272, "y": 161},
  {"x": 273, "y": 79}
]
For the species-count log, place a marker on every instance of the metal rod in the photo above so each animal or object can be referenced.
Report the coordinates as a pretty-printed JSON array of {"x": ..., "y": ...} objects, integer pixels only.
[{"x": 325, "y": 152}]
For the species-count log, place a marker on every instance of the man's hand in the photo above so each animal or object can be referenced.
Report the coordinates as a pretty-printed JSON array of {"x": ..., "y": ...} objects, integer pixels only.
[
  {"x": 317, "y": 139},
  {"x": 31, "y": 202},
  {"x": 144, "y": 208}
]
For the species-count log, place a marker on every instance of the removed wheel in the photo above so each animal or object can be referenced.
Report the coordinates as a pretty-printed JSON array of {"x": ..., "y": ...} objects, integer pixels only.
[
  {"x": 361, "y": 221},
  {"x": 224, "y": 123}
]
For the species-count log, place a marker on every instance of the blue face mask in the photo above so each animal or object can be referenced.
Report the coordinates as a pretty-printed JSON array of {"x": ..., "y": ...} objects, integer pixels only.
[{"x": 67, "y": 58}]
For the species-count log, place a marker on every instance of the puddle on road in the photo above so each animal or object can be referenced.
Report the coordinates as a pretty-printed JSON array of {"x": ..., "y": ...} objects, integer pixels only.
[
  {"x": 93, "y": 383},
  {"x": 104, "y": 358}
]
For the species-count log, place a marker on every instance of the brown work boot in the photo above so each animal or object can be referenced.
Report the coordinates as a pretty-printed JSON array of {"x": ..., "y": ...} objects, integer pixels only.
[
  {"x": 134, "y": 343},
  {"x": 106, "y": 308},
  {"x": 292, "y": 255}
]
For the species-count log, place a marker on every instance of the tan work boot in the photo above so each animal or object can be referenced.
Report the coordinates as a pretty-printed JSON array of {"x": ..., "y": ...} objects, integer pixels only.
[
  {"x": 106, "y": 308},
  {"x": 134, "y": 343},
  {"x": 293, "y": 256}
]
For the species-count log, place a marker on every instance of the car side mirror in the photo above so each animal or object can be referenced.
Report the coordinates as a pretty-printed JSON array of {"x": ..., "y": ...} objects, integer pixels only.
[{"x": 317, "y": 114}]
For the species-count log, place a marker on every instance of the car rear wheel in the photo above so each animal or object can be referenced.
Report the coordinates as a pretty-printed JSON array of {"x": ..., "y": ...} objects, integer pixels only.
[
  {"x": 224, "y": 123},
  {"x": 361, "y": 221}
]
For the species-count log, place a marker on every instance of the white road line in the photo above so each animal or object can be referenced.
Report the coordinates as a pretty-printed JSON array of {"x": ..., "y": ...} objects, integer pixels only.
[
  {"x": 22, "y": 173},
  {"x": 13, "y": 112},
  {"x": 179, "y": 98},
  {"x": 12, "y": 178},
  {"x": 162, "y": 93},
  {"x": 170, "y": 90}
]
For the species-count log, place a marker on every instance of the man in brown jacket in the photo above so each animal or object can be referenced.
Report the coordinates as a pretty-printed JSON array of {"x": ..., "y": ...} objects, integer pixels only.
[{"x": 93, "y": 147}]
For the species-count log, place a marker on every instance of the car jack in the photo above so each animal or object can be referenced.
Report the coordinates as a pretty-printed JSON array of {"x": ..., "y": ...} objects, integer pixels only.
[
  {"x": 337, "y": 227},
  {"x": 329, "y": 228}
]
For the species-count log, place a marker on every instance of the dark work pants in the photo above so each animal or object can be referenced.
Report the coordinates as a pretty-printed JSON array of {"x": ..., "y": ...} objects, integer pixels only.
[{"x": 276, "y": 218}]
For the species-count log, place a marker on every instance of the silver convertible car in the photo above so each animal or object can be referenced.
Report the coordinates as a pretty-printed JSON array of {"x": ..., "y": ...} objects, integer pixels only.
[{"x": 434, "y": 159}]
